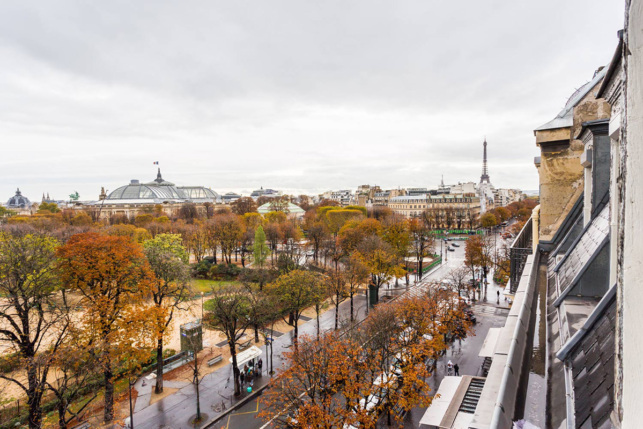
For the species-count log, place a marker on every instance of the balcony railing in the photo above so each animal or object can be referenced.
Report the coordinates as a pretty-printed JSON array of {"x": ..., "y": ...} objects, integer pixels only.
[{"x": 518, "y": 252}]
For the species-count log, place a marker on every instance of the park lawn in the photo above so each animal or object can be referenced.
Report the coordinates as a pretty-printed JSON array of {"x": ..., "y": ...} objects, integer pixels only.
[{"x": 206, "y": 286}]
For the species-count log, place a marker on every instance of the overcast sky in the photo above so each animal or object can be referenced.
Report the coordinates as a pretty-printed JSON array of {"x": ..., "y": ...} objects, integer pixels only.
[{"x": 303, "y": 96}]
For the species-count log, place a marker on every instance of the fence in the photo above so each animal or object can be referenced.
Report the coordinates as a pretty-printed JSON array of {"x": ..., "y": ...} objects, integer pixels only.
[{"x": 518, "y": 252}]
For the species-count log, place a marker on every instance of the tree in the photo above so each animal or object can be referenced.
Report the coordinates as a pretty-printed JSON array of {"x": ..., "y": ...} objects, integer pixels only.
[
  {"x": 337, "y": 290},
  {"x": 33, "y": 317},
  {"x": 458, "y": 279},
  {"x": 188, "y": 212},
  {"x": 112, "y": 277},
  {"x": 244, "y": 205},
  {"x": 422, "y": 242},
  {"x": 336, "y": 218},
  {"x": 296, "y": 291},
  {"x": 135, "y": 234},
  {"x": 228, "y": 231},
  {"x": 488, "y": 220},
  {"x": 381, "y": 260},
  {"x": 317, "y": 234},
  {"x": 396, "y": 233},
  {"x": 322, "y": 383},
  {"x": 75, "y": 366},
  {"x": 228, "y": 311},
  {"x": 473, "y": 253},
  {"x": 503, "y": 213},
  {"x": 48, "y": 208},
  {"x": 355, "y": 274},
  {"x": 195, "y": 238},
  {"x": 273, "y": 235},
  {"x": 168, "y": 259}
]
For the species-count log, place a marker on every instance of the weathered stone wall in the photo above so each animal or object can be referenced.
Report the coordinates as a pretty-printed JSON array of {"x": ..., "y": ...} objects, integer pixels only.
[{"x": 560, "y": 171}]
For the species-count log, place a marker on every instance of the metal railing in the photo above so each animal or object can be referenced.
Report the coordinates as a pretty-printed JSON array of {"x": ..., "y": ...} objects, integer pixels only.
[{"x": 518, "y": 252}]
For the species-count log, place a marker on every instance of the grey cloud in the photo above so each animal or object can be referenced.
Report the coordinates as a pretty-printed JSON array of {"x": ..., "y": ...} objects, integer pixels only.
[{"x": 290, "y": 94}]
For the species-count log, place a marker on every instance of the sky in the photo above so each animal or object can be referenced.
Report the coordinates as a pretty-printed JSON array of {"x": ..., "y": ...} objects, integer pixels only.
[{"x": 301, "y": 96}]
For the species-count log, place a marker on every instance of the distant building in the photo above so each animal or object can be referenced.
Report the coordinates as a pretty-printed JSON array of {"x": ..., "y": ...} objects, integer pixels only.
[
  {"x": 416, "y": 191},
  {"x": 270, "y": 193},
  {"x": 19, "y": 203},
  {"x": 136, "y": 198},
  {"x": 463, "y": 188},
  {"x": 442, "y": 211},
  {"x": 230, "y": 198},
  {"x": 344, "y": 197},
  {"x": 504, "y": 197}
]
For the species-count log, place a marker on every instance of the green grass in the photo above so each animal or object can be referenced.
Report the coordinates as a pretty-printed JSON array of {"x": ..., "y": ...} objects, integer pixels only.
[{"x": 206, "y": 286}]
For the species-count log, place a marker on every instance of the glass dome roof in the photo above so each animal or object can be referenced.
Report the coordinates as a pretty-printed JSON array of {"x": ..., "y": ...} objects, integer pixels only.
[
  {"x": 136, "y": 191},
  {"x": 198, "y": 193}
]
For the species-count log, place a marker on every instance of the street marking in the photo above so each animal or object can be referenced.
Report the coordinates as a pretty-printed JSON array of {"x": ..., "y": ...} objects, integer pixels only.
[{"x": 240, "y": 414}]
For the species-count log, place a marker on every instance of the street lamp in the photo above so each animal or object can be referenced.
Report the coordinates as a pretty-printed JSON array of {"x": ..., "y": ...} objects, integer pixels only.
[
  {"x": 131, "y": 409},
  {"x": 201, "y": 305}
]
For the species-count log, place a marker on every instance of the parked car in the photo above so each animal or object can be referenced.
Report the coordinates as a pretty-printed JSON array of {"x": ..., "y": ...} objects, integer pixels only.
[
  {"x": 450, "y": 249},
  {"x": 455, "y": 245}
]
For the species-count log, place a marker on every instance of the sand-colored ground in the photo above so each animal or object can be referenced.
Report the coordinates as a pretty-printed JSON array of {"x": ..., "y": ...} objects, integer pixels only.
[{"x": 167, "y": 391}]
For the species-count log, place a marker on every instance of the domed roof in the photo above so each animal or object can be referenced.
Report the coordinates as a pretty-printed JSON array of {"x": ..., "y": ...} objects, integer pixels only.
[
  {"x": 198, "y": 193},
  {"x": 137, "y": 191},
  {"x": 18, "y": 201}
]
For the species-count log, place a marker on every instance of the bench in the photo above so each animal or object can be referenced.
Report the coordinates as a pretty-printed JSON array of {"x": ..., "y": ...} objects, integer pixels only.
[
  {"x": 83, "y": 426},
  {"x": 216, "y": 359},
  {"x": 244, "y": 342}
]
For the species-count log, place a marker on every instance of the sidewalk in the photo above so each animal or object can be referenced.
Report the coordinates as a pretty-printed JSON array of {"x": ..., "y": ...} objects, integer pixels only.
[{"x": 217, "y": 388}]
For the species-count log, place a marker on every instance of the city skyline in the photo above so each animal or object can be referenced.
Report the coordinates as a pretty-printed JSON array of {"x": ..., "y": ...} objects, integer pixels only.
[{"x": 338, "y": 97}]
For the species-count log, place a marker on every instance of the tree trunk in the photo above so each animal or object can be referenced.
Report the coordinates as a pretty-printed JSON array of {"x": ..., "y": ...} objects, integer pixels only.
[
  {"x": 235, "y": 368},
  {"x": 296, "y": 334},
  {"x": 256, "y": 333},
  {"x": 352, "y": 307},
  {"x": 198, "y": 396},
  {"x": 34, "y": 396},
  {"x": 159, "y": 366},
  {"x": 62, "y": 424},
  {"x": 317, "y": 317},
  {"x": 336, "y": 312},
  {"x": 109, "y": 391}
]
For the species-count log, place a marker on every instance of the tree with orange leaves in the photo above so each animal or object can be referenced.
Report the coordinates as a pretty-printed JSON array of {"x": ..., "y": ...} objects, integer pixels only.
[
  {"x": 113, "y": 277},
  {"x": 351, "y": 378}
]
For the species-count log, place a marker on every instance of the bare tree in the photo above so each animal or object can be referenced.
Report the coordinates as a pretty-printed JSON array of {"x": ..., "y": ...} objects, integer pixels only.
[{"x": 458, "y": 279}]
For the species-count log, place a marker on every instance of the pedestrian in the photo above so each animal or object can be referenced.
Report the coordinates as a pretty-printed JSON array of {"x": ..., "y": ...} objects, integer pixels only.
[
  {"x": 498, "y": 292},
  {"x": 260, "y": 365},
  {"x": 449, "y": 367},
  {"x": 242, "y": 378},
  {"x": 456, "y": 368}
]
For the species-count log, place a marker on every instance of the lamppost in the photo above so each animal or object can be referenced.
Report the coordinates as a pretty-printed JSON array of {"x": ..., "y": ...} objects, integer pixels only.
[
  {"x": 201, "y": 305},
  {"x": 131, "y": 409}
]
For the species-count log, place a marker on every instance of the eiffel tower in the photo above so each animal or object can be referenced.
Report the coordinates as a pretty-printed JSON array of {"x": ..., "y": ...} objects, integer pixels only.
[{"x": 485, "y": 170}]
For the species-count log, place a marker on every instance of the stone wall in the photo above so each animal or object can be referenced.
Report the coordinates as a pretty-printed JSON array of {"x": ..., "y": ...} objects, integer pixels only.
[{"x": 560, "y": 171}]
